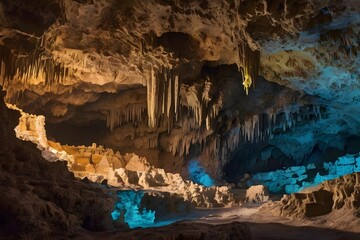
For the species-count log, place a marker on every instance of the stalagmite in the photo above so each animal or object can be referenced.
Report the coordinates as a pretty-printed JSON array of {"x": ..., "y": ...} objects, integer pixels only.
[{"x": 97, "y": 163}]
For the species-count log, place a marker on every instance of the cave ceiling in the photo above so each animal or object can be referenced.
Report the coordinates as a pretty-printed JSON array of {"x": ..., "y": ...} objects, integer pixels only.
[{"x": 173, "y": 78}]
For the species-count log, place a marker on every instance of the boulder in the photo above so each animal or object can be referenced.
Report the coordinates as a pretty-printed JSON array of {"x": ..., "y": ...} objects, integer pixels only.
[{"x": 255, "y": 194}]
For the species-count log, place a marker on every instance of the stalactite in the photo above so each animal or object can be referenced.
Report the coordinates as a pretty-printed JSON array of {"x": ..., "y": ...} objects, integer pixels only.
[
  {"x": 197, "y": 109},
  {"x": 31, "y": 68},
  {"x": 153, "y": 142},
  {"x": 216, "y": 107},
  {"x": 151, "y": 98},
  {"x": 259, "y": 128},
  {"x": 249, "y": 62},
  {"x": 180, "y": 141},
  {"x": 133, "y": 113},
  {"x": 162, "y": 97},
  {"x": 176, "y": 96},
  {"x": 205, "y": 95}
]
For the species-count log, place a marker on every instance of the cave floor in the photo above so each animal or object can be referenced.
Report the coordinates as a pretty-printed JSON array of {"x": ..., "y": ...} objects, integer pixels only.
[{"x": 259, "y": 219}]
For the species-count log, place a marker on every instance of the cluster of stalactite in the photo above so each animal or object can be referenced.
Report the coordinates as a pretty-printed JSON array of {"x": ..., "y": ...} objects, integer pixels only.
[
  {"x": 179, "y": 142},
  {"x": 262, "y": 127},
  {"x": 249, "y": 63},
  {"x": 134, "y": 113},
  {"x": 343, "y": 41},
  {"x": 170, "y": 103},
  {"x": 32, "y": 67},
  {"x": 200, "y": 106},
  {"x": 162, "y": 97}
]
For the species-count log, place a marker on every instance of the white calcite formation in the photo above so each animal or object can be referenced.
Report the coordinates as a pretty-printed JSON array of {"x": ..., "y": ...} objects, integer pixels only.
[
  {"x": 31, "y": 128},
  {"x": 97, "y": 164}
]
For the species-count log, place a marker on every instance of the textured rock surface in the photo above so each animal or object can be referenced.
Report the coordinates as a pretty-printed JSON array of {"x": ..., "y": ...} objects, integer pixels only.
[
  {"x": 256, "y": 194},
  {"x": 341, "y": 193},
  {"x": 298, "y": 178},
  {"x": 99, "y": 164},
  {"x": 173, "y": 81},
  {"x": 172, "y": 73},
  {"x": 40, "y": 198}
]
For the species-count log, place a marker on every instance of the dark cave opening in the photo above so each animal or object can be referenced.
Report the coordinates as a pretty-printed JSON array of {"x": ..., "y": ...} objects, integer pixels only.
[{"x": 77, "y": 134}]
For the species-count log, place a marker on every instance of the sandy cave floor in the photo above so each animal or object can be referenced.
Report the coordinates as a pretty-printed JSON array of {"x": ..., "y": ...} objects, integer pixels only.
[{"x": 263, "y": 225}]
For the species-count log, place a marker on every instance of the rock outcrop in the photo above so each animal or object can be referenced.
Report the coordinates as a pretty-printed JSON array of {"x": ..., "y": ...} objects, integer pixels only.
[
  {"x": 341, "y": 193},
  {"x": 257, "y": 194},
  {"x": 97, "y": 164},
  {"x": 40, "y": 198}
]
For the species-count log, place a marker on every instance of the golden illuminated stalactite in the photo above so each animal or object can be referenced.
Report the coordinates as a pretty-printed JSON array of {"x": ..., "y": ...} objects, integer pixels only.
[
  {"x": 33, "y": 68},
  {"x": 176, "y": 98},
  {"x": 151, "y": 101},
  {"x": 162, "y": 86},
  {"x": 247, "y": 80},
  {"x": 249, "y": 62},
  {"x": 162, "y": 97}
]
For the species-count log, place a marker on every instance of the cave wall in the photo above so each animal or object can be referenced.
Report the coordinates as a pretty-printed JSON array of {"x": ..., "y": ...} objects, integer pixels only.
[{"x": 39, "y": 198}]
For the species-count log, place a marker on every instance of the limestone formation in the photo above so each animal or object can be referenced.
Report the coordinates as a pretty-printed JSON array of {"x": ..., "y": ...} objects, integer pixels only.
[
  {"x": 341, "y": 193},
  {"x": 257, "y": 194},
  {"x": 40, "y": 198},
  {"x": 133, "y": 91},
  {"x": 154, "y": 69},
  {"x": 97, "y": 163}
]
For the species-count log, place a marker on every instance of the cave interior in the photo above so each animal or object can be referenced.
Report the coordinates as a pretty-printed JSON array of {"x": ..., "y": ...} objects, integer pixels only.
[{"x": 180, "y": 119}]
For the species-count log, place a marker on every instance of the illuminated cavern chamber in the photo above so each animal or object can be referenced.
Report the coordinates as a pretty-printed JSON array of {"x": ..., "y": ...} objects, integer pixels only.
[
  {"x": 191, "y": 112},
  {"x": 130, "y": 171},
  {"x": 199, "y": 107}
]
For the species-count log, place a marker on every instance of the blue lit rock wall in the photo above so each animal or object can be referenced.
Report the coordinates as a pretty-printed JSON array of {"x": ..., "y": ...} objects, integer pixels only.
[
  {"x": 128, "y": 208},
  {"x": 198, "y": 174},
  {"x": 297, "y": 178},
  {"x": 149, "y": 208}
]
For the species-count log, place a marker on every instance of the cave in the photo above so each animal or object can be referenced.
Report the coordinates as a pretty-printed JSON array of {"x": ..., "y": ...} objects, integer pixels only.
[{"x": 208, "y": 119}]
